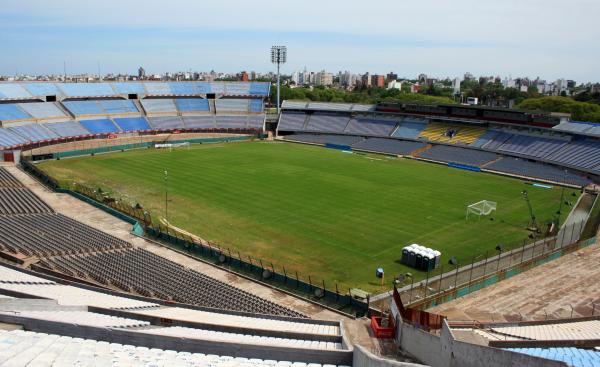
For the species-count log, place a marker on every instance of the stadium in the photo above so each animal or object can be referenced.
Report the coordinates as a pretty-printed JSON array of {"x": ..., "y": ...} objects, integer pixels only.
[{"x": 184, "y": 223}]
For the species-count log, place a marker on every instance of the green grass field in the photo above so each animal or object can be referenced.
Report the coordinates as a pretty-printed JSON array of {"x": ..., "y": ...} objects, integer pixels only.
[{"x": 322, "y": 212}]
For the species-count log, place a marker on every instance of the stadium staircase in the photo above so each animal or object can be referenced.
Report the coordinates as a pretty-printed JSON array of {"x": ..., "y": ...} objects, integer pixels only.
[
  {"x": 415, "y": 153},
  {"x": 140, "y": 107}
]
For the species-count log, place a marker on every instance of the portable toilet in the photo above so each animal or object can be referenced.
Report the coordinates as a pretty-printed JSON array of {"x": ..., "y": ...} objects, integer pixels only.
[
  {"x": 404, "y": 259},
  {"x": 431, "y": 264},
  {"x": 419, "y": 259},
  {"x": 438, "y": 257},
  {"x": 425, "y": 262},
  {"x": 412, "y": 257}
]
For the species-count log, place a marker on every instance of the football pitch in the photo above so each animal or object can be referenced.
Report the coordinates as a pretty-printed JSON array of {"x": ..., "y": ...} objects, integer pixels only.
[{"x": 321, "y": 212}]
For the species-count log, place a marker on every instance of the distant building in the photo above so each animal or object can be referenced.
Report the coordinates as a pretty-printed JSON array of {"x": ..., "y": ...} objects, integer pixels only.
[
  {"x": 415, "y": 88},
  {"x": 366, "y": 80},
  {"x": 243, "y": 76},
  {"x": 378, "y": 81},
  {"x": 391, "y": 76},
  {"x": 394, "y": 84},
  {"x": 422, "y": 78},
  {"x": 141, "y": 73},
  {"x": 456, "y": 86},
  {"x": 324, "y": 78}
]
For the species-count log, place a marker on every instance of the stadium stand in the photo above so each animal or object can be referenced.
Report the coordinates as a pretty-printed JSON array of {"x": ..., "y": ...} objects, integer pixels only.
[
  {"x": 44, "y": 234},
  {"x": 199, "y": 122},
  {"x": 82, "y": 317},
  {"x": 410, "y": 128},
  {"x": 389, "y": 146},
  {"x": 8, "y": 139},
  {"x": 256, "y": 121},
  {"x": 325, "y": 139},
  {"x": 166, "y": 122},
  {"x": 573, "y": 127},
  {"x": 576, "y": 330},
  {"x": 449, "y": 133},
  {"x": 541, "y": 171},
  {"x": 327, "y": 123},
  {"x": 153, "y": 276},
  {"x": 99, "y": 126},
  {"x": 261, "y": 89},
  {"x": 445, "y": 153},
  {"x": 237, "y": 89},
  {"x": 159, "y": 106},
  {"x": 42, "y": 89},
  {"x": 231, "y": 105},
  {"x": 13, "y": 91},
  {"x": 579, "y": 153},
  {"x": 86, "y": 89},
  {"x": 118, "y": 106},
  {"x": 575, "y": 357},
  {"x": 34, "y": 132},
  {"x": 42, "y": 110},
  {"x": 256, "y": 105},
  {"x": 129, "y": 88},
  {"x": 83, "y": 108},
  {"x": 192, "y": 105},
  {"x": 8, "y": 180},
  {"x": 15, "y": 200},
  {"x": 292, "y": 121},
  {"x": 231, "y": 122},
  {"x": 67, "y": 129},
  {"x": 485, "y": 138},
  {"x": 157, "y": 89},
  {"x": 182, "y": 88},
  {"x": 497, "y": 140},
  {"x": 132, "y": 123},
  {"x": 329, "y": 106},
  {"x": 369, "y": 126},
  {"x": 534, "y": 146},
  {"x": 12, "y": 112}
]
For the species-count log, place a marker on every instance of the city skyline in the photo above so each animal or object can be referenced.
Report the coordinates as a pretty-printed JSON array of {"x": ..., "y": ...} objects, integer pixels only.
[{"x": 549, "y": 39}]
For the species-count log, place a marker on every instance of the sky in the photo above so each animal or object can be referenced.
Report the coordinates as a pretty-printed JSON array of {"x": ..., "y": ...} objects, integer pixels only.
[{"x": 547, "y": 38}]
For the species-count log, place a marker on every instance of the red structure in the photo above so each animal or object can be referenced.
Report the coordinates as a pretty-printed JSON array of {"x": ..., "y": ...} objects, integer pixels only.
[{"x": 383, "y": 332}]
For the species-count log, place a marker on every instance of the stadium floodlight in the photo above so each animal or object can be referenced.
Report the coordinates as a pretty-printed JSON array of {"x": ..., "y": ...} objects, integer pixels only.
[{"x": 278, "y": 57}]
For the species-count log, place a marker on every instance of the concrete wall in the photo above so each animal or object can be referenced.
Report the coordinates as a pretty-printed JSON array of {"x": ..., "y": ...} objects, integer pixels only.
[
  {"x": 363, "y": 358},
  {"x": 445, "y": 351}
]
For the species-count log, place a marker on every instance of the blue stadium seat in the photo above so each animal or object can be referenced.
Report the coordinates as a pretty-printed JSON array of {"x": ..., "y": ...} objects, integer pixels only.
[
  {"x": 42, "y": 89},
  {"x": 256, "y": 105},
  {"x": 182, "y": 88},
  {"x": 86, "y": 89},
  {"x": 158, "y": 89},
  {"x": 217, "y": 87},
  {"x": 410, "y": 128},
  {"x": 166, "y": 122},
  {"x": 133, "y": 123},
  {"x": 129, "y": 88},
  {"x": 67, "y": 129},
  {"x": 82, "y": 108},
  {"x": 202, "y": 88},
  {"x": 232, "y": 122},
  {"x": 115, "y": 106},
  {"x": 13, "y": 91},
  {"x": 41, "y": 110},
  {"x": 259, "y": 89},
  {"x": 237, "y": 88},
  {"x": 11, "y": 112},
  {"x": 231, "y": 105},
  {"x": 34, "y": 132},
  {"x": 192, "y": 104},
  {"x": 159, "y": 105},
  {"x": 8, "y": 138},
  {"x": 100, "y": 126}
]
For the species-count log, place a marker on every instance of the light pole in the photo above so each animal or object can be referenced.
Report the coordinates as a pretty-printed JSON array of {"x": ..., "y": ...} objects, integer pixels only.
[
  {"x": 166, "y": 196},
  {"x": 278, "y": 57}
]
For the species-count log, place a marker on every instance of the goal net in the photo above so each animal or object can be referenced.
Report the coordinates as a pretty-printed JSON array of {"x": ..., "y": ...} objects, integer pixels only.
[
  {"x": 483, "y": 207},
  {"x": 170, "y": 146}
]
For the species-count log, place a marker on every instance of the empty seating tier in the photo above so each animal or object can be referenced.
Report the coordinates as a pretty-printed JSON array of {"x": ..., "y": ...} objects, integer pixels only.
[
  {"x": 159, "y": 106},
  {"x": 192, "y": 105},
  {"x": 82, "y": 318},
  {"x": 100, "y": 126},
  {"x": 389, "y": 146},
  {"x": 8, "y": 139},
  {"x": 466, "y": 156},
  {"x": 150, "y": 275},
  {"x": 231, "y": 122},
  {"x": 132, "y": 123},
  {"x": 67, "y": 129},
  {"x": 8, "y": 180},
  {"x": 455, "y": 134},
  {"x": 34, "y": 132},
  {"x": 166, "y": 122},
  {"x": 526, "y": 168},
  {"x": 534, "y": 146},
  {"x": 410, "y": 128},
  {"x": 52, "y": 234},
  {"x": 42, "y": 110},
  {"x": 292, "y": 121},
  {"x": 327, "y": 123},
  {"x": 368, "y": 126},
  {"x": 325, "y": 139},
  {"x": 20, "y": 200},
  {"x": 579, "y": 153},
  {"x": 199, "y": 122},
  {"x": 12, "y": 112},
  {"x": 231, "y": 105},
  {"x": 256, "y": 121}
]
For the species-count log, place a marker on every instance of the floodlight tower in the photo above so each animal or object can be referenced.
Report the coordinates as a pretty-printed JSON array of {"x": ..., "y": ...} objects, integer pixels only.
[{"x": 278, "y": 57}]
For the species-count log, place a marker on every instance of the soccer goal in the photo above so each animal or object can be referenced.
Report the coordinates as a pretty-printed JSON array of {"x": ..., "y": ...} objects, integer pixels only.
[
  {"x": 171, "y": 146},
  {"x": 483, "y": 207}
]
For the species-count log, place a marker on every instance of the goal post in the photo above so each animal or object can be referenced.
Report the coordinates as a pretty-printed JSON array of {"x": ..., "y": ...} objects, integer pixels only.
[{"x": 480, "y": 208}]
